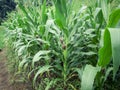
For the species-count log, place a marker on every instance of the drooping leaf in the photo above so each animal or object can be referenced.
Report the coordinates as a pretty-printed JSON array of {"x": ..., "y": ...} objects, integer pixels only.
[
  {"x": 88, "y": 77},
  {"x": 41, "y": 71},
  {"x": 80, "y": 72},
  {"x": 21, "y": 50},
  {"x": 39, "y": 55},
  {"x": 115, "y": 41},
  {"x": 21, "y": 65},
  {"x": 111, "y": 42},
  {"x": 107, "y": 73}
]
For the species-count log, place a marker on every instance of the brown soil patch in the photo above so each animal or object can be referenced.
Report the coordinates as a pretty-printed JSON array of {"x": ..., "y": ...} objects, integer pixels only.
[{"x": 4, "y": 76}]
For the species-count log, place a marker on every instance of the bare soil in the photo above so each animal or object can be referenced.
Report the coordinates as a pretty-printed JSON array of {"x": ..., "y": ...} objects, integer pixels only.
[{"x": 5, "y": 83}]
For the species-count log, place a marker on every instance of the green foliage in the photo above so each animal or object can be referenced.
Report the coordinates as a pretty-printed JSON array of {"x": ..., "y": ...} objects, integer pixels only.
[
  {"x": 110, "y": 48},
  {"x": 57, "y": 47},
  {"x": 115, "y": 35},
  {"x": 88, "y": 77},
  {"x": 2, "y": 33}
]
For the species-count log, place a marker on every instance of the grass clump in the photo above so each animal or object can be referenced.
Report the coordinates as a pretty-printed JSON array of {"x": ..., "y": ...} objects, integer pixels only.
[{"x": 2, "y": 32}]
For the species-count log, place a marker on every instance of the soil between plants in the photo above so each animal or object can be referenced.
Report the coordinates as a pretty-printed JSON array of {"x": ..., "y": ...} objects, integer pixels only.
[{"x": 5, "y": 83}]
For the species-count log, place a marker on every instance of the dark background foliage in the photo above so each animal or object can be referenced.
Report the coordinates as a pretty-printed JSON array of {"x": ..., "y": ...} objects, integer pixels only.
[{"x": 6, "y": 6}]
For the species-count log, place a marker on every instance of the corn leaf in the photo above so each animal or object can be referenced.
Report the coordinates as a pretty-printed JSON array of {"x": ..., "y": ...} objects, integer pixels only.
[
  {"x": 41, "y": 71},
  {"x": 88, "y": 77},
  {"x": 105, "y": 10},
  {"x": 39, "y": 55},
  {"x": 111, "y": 43},
  {"x": 115, "y": 41},
  {"x": 114, "y": 18},
  {"x": 105, "y": 52}
]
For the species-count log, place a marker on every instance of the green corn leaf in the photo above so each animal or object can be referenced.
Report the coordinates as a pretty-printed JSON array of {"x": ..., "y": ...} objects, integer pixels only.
[
  {"x": 105, "y": 10},
  {"x": 41, "y": 71},
  {"x": 98, "y": 15},
  {"x": 73, "y": 88},
  {"x": 115, "y": 41},
  {"x": 111, "y": 43},
  {"x": 88, "y": 77},
  {"x": 107, "y": 73},
  {"x": 110, "y": 49},
  {"x": 114, "y": 18},
  {"x": 26, "y": 13},
  {"x": 33, "y": 70},
  {"x": 22, "y": 63},
  {"x": 21, "y": 50},
  {"x": 50, "y": 84},
  {"x": 60, "y": 12},
  {"x": 44, "y": 15},
  {"x": 105, "y": 52},
  {"x": 39, "y": 55},
  {"x": 90, "y": 53},
  {"x": 97, "y": 11},
  {"x": 80, "y": 72}
]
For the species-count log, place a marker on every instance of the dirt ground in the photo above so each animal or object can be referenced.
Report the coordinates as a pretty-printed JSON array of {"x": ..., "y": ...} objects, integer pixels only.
[{"x": 4, "y": 76}]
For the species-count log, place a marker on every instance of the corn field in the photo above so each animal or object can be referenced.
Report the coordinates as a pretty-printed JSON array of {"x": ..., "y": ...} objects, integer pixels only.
[{"x": 65, "y": 44}]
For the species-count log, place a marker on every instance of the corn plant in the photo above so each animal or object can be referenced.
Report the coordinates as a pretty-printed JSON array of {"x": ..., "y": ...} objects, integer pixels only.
[
  {"x": 109, "y": 50},
  {"x": 56, "y": 46}
]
